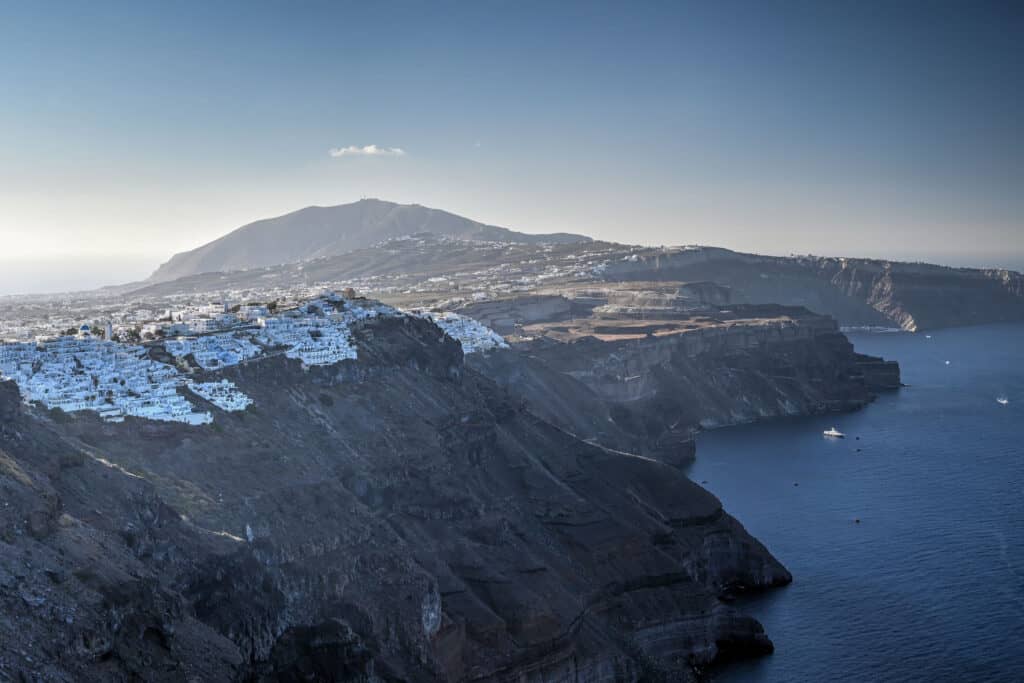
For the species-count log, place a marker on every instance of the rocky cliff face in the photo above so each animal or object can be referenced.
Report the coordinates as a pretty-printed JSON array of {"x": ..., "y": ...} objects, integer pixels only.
[
  {"x": 650, "y": 394},
  {"x": 398, "y": 517},
  {"x": 921, "y": 296},
  {"x": 912, "y": 296}
]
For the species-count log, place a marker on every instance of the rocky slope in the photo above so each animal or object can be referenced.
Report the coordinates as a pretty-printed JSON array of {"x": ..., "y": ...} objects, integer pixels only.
[
  {"x": 396, "y": 517},
  {"x": 649, "y": 393},
  {"x": 912, "y": 296},
  {"x": 429, "y": 268},
  {"x": 321, "y": 231}
]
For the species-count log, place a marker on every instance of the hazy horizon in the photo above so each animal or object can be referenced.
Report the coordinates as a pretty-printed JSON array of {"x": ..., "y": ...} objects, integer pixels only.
[{"x": 842, "y": 129}]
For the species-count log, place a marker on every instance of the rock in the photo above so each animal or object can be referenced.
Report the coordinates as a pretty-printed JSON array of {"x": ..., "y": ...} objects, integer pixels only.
[
  {"x": 651, "y": 395},
  {"x": 431, "y": 613},
  {"x": 857, "y": 292},
  {"x": 40, "y": 523},
  {"x": 396, "y": 540}
]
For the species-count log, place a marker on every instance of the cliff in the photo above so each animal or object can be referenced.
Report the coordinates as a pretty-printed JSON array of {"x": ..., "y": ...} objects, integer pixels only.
[
  {"x": 870, "y": 292},
  {"x": 647, "y": 386},
  {"x": 395, "y": 517}
]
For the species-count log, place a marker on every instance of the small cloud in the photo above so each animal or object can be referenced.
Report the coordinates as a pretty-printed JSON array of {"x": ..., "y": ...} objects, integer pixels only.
[{"x": 367, "y": 151}]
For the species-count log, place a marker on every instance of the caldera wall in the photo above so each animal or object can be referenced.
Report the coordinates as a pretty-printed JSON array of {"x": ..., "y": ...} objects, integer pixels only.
[{"x": 398, "y": 516}]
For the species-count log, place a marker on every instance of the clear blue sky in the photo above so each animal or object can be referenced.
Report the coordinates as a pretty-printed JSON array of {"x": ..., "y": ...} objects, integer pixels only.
[{"x": 134, "y": 130}]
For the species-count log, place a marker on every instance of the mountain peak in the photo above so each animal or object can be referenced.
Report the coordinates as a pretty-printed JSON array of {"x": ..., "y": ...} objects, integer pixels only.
[{"x": 317, "y": 231}]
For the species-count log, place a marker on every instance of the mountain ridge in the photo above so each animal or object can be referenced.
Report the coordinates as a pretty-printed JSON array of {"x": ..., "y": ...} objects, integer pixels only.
[
  {"x": 317, "y": 231},
  {"x": 427, "y": 269}
]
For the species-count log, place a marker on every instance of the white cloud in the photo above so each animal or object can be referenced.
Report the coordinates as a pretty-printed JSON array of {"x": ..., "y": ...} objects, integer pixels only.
[{"x": 367, "y": 151}]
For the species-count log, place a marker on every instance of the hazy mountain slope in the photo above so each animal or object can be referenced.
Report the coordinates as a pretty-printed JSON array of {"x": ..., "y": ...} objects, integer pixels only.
[
  {"x": 330, "y": 230},
  {"x": 913, "y": 296}
]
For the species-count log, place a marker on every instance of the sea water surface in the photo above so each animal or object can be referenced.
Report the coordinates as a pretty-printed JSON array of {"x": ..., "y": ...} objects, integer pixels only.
[{"x": 929, "y": 585}]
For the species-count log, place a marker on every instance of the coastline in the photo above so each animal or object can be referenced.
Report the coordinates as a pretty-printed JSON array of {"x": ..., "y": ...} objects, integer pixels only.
[{"x": 932, "y": 481}]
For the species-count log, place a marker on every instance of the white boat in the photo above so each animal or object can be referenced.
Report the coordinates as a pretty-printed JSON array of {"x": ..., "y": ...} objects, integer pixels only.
[
  {"x": 834, "y": 433},
  {"x": 1002, "y": 400},
  {"x": 947, "y": 362}
]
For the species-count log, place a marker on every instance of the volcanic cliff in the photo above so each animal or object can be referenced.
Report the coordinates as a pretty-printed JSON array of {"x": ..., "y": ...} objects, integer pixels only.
[
  {"x": 857, "y": 292},
  {"x": 395, "y": 517},
  {"x": 647, "y": 386}
]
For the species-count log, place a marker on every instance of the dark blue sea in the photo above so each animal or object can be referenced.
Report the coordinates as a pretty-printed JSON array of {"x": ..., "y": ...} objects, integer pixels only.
[{"x": 929, "y": 586}]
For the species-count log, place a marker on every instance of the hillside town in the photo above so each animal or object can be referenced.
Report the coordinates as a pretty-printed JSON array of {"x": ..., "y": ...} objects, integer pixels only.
[
  {"x": 155, "y": 376},
  {"x": 473, "y": 335}
]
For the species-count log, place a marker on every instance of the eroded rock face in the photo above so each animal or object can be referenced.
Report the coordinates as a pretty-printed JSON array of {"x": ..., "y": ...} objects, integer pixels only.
[
  {"x": 398, "y": 517},
  {"x": 650, "y": 394},
  {"x": 912, "y": 296}
]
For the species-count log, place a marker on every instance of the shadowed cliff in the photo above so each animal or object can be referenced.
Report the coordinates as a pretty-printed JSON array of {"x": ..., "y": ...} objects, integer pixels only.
[
  {"x": 650, "y": 393},
  {"x": 394, "y": 517}
]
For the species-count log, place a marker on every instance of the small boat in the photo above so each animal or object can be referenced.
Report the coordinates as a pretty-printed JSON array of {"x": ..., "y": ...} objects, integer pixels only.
[
  {"x": 947, "y": 362},
  {"x": 834, "y": 433},
  {"x": 927, "y": 336},
  {"x": 1002, "y": 400}
]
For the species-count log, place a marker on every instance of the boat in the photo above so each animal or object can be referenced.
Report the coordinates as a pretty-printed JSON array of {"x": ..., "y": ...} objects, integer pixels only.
[
  {"x": 1002, "y": 400},
  {"x": 834, "y": 433}
]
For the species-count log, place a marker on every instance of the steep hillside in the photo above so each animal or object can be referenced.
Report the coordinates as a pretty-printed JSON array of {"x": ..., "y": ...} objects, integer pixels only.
[
  {"x": 650, "y": 392},
  {"x": 912, "y": 296},
  {"x": 393, "y": 517},
  {"x": 318, "y": 231}
]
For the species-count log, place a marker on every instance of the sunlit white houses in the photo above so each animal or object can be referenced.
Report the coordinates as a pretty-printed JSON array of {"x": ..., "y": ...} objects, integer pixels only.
[
  {"x": 223, "y": 394},
  {"x": 316, "y": 333},
  {"x": 474, "y": 336},
  {"x": 214, "y": 351},
  {"x": 114, "y": 380},
  {"x": 84, "y": 373},
  {"x": 252, "y": 312}
]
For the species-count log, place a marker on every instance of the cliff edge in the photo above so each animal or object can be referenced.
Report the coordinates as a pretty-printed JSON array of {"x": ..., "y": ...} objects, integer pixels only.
[{"x": 395, "y": 517}]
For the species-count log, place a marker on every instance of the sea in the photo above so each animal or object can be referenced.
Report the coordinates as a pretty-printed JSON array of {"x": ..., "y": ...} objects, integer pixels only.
[{"x": 906, "y": 538}]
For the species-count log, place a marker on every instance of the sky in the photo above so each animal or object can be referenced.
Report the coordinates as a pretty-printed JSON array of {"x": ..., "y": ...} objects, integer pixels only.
[{"x": 130, "y": 131}]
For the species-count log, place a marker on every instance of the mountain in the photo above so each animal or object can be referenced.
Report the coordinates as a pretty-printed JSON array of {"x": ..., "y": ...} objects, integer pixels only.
[
  {"x": 318, "y": 231},
  {"x": 425, "y": 269},
  {"x": 396, "y": 516}
]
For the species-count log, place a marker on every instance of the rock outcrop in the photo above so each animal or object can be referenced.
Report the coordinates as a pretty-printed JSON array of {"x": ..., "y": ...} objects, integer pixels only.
[
  {"x": 646, "y": 387},
  {"x": 395, "y": 517},
  {"x": 857, "y": 292},
  {"x": 505, "y": 315}
]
